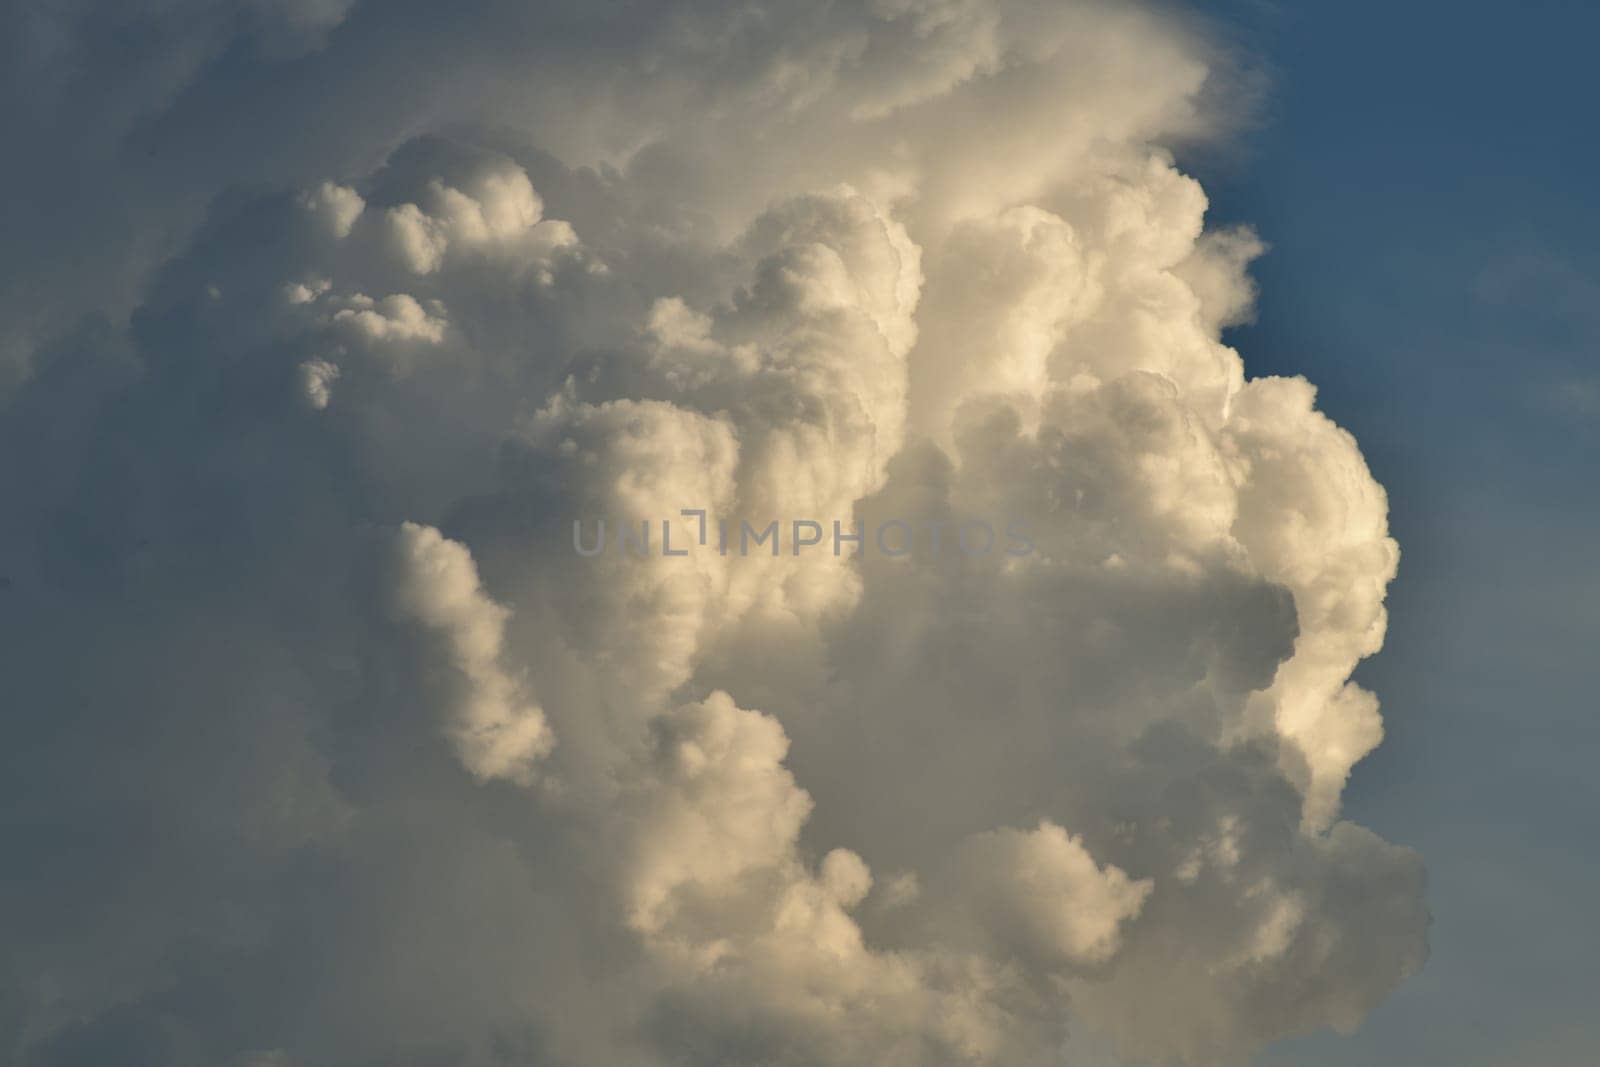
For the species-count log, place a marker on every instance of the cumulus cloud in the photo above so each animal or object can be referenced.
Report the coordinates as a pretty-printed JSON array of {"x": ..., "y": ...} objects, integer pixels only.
[
  {"x": 496, "y": 731},
  {"x": 379, "y": 768},
  {"x": 397, "y": 317},
  {"x": 336, "y": 207},
  {"x": 1038, "y": 894},
  {"x": 499, "y": 212},
  {"x": 317, "y": 377}
]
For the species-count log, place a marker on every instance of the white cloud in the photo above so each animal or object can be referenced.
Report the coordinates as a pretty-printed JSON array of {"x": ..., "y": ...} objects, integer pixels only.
[
  {"x": 498, "y": 732},
  {"x": 497, "y": 212},
  {"x": 1039, "y": 894},
  {"x": 336, "y": 206},
  {"x": 398, "y": 317},
  {"x": 317, "y": 377},
  {"x": 714, "y": 808}
]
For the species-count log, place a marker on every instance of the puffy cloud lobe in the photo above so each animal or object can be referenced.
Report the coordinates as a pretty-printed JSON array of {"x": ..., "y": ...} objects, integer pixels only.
[
  {"x": 499, "y": 211},
  {"x": 1039, "y": 895},
  {"x": 398, "y": 317},
  {"x": 778, "y": 267},
  {"x": 633, "y": 464},
  {"x": 723, "y": 806},
  {"x": 336, "y": 207},
  {"x": 759, "y": 953},
  {"x": 1325, "y": 536},
  {"x": 317, "y": 377},
  {"x": 497, "y": 731}
]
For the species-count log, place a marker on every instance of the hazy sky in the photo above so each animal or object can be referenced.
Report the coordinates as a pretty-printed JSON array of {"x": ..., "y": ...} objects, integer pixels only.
[{"x": 323, "y": 322}]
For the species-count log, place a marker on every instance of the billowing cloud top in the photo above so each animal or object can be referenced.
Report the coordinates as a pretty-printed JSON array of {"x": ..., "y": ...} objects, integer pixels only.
[{"x": 330, "y": 745}]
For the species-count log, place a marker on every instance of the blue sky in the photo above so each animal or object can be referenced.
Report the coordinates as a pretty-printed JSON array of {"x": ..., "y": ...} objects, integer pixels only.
[{"x": 1425, "y": 175}]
